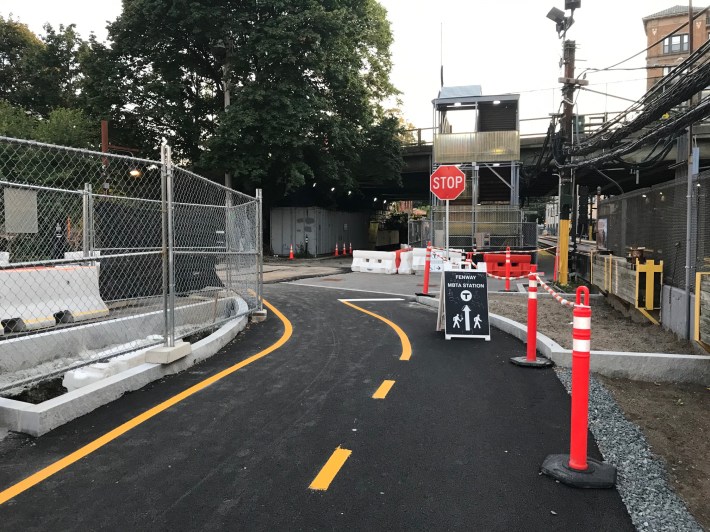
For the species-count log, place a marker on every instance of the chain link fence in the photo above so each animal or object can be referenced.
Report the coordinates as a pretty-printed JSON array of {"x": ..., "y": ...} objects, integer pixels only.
[
  {"x": 104, "y": 254},
  {"x": 655, "y": 219},
  {"x": 486, "y": 227}
]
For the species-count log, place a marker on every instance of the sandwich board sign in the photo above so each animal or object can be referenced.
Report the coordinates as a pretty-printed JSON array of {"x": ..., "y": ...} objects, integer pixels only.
[{"x": 463, "y": 305}]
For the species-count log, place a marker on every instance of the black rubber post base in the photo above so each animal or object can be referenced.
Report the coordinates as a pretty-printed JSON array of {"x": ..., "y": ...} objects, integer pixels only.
[
  {"x": 539, "y": 362},
  {"x": 597, "y": 475},
  {"x": 425, "y": 295}
]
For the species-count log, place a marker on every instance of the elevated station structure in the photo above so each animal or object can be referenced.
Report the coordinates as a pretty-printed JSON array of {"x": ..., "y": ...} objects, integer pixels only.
[{"x": 487, "y": 214}]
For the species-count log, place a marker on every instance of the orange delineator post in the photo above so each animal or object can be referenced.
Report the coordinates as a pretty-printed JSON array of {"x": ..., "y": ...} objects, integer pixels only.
[
  {"x": 427, "y": 263},
  {"x": 581, "y": 345},
  {"x": 507, "y": 268},
  {"x": 531, "y": 359},
  {"x": 575, "y": 468},
  {"x": 532, "y": 314},
  {"x": 290, "y": 253}
]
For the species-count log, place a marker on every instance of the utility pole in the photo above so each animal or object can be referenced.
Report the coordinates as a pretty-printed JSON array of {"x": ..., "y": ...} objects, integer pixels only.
[
  {"x": 226, "y": 86},
  {"x": 566, "y": 177},
  {"x": 689, "y": 194}
]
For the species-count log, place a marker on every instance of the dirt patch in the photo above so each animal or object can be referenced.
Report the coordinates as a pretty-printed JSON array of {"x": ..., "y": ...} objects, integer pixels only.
[
  {"x": 41, "y": 392},
  {"x": 611, "y": 331},
  {"x": 674, "y": 417}
]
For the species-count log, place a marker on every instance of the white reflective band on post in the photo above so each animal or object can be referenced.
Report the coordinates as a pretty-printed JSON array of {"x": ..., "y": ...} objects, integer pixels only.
[
  {"x": 532, "y": 295},
  {"x": 582, "y": 323},
  {"x": 581, "y": 346}
]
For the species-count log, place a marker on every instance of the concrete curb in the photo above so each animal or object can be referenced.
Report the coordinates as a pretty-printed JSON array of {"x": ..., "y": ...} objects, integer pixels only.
[
  {"x": 41, "y": 418},
  {"x": 650, "y": 367}
]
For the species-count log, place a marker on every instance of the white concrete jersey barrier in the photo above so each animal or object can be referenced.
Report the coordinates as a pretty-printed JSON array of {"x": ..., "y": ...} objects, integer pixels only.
[
  {"x": 36, "y": 298},
  {"x": 374, "y": 262}
]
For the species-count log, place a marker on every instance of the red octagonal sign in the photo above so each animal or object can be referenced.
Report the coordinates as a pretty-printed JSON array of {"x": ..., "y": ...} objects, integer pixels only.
[{"x": 447, "y": 182}]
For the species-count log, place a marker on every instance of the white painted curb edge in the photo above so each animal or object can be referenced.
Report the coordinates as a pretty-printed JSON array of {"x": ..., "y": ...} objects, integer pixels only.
[
  {"x": 41, "y": 418},
  {"x": 650, "y": 367}
]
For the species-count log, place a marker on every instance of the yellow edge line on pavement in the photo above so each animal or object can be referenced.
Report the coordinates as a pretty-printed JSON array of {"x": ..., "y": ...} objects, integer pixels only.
[
  {"x": 383, "y": 390},
  {"x": 406, "y": 346},
  {"x": 330, "y": 469},
  {"x": 90, "y": 447}
]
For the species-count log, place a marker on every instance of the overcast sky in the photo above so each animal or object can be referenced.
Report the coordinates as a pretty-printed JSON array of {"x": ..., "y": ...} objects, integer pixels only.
[{"x": 504, "y": 45}]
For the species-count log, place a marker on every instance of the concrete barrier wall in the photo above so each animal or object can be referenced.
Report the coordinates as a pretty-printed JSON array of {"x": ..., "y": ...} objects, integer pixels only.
[
  {"x": 35, "y": 298},
  {"x": 111, "y": 335}
]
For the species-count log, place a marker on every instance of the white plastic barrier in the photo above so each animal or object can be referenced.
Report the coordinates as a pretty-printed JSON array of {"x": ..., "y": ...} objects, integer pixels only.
[
  {"x": 35, "y": 298},
  {"x": 374, "y": 262},
  {"x": 437, "y": 261},
  {"x": 406, "y": 260}
]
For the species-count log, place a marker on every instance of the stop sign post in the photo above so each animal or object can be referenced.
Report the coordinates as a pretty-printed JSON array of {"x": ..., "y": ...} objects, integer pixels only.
[{"x": 447, "y": 183}]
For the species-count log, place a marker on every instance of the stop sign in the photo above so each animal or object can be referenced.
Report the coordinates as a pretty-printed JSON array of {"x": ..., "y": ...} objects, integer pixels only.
[{"x": 447, "y": 182}]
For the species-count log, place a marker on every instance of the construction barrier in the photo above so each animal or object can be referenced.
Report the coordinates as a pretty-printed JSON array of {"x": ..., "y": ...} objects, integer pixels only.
[
  {"x": 62, "y": 294},
  {"x": 404, "y": 261},
  {"x": 496, "y": 264},
  {"x": 374, "y": 262}
]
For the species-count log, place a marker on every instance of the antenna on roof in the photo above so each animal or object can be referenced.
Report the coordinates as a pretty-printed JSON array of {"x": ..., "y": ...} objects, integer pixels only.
[{"x": 441, "y": 52}]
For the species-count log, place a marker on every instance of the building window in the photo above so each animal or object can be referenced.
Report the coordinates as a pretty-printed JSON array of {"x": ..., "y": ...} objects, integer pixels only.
[{"x": 675, "y": 44}]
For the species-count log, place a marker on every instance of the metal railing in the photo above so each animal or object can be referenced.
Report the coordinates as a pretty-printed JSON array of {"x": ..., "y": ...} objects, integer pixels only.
[
  {"x": 104, "y": 254},
  {"x": 488, "y": 227}
]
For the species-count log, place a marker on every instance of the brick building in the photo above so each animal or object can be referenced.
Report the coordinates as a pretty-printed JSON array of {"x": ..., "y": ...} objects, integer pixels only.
[{"x": 672, "y": 50}]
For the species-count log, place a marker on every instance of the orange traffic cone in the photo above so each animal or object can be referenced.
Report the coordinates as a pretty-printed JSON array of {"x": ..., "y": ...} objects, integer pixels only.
[
  {"x": 345, "y": 249},
  {"x": 290, "y": 253},
  {"x": 351, "y": 249},
  {"x": 336, "y": 250}
]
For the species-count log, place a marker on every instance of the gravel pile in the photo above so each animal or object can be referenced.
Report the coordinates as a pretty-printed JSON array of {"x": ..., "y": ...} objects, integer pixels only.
[{"x": 641, "y": 479}]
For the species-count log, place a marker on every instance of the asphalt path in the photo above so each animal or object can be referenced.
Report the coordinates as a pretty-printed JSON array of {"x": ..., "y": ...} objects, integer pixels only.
[{"x": 455, "y": 444}]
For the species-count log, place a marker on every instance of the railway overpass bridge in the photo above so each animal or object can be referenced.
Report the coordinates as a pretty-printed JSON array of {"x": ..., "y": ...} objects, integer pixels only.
[{"x": 418, "y": 163}]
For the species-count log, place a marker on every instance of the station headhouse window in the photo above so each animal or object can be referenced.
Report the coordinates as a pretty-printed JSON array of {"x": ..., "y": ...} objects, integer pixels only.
[{"x": 675, "y": 44}]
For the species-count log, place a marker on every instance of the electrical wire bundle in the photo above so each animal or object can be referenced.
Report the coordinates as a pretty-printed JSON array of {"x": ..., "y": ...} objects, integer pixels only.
[{"x": 689, "y": 78}]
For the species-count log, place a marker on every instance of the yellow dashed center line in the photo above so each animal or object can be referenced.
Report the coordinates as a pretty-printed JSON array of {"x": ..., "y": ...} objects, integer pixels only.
[
  {"x": 330, "y": 469},
  {"x": 383, "y": 390},
  {"x": 89, "y": 448},
  {"x": 406, "y": 345}
]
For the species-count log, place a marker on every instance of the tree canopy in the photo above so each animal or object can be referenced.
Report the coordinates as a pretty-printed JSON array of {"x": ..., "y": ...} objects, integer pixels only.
[{"x": 307, "y": 81}]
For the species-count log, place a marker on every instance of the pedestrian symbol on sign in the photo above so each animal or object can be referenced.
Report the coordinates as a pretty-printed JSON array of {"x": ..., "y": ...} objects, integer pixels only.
[{"x": 477, "y": 321}]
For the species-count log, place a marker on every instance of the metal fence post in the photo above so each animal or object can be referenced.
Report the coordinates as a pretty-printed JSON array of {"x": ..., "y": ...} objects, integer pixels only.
[
  {"x": 171, "y": 244},
  {"x": 164, "y": 239},
  {"x": 85, "y": 221},
  {"x": 260, "y": 247}
]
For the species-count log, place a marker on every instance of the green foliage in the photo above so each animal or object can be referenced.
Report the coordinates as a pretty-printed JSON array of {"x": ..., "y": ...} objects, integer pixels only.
[
  {"x": 307, "y": 81},
  {"x": 15, "y": 121},
  {"x": 39, "y": 74},
  {"x": 67, "y": 127}
]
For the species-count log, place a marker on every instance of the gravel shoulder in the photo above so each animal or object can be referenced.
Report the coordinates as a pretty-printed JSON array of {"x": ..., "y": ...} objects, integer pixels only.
[{"x": 673, "y": 418}]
